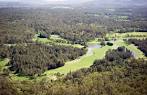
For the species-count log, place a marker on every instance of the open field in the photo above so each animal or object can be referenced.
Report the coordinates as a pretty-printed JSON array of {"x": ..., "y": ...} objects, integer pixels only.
[
  {"x": 95, "y": 41},
  {"x": 3, "y": 64},
  {"x": 84, "y": 62},
  {"x": 55, "y": 39},
  {"x": 129, "y": 35}
]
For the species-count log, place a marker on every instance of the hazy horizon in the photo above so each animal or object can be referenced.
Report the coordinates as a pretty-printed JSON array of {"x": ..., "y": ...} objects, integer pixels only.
[
  {"x": 88, "y": 3},
  {"x": 47, "y": 1}
]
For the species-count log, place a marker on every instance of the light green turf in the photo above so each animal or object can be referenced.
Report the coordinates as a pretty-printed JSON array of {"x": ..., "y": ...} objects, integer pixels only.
[
  {"x": 84, "y": 62},
  {"x": 53, "y": 40},
  {"x": 42, "y": 40},
  {"x": 3, "y": 64},
  {"x": 93, "y": 41},
  {"x": 56, "y": 37},
  {"x": 135, "y": 35},
  {"x": 138, "y": 53}
]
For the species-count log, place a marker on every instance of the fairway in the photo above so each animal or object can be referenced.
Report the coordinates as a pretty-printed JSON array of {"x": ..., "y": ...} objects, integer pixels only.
[
  {"x": 129, "y": 35},
  {"x": 87, "y": 60},
  {"x": 84, "y": 62},
  {"x": 55, "y": 40}
]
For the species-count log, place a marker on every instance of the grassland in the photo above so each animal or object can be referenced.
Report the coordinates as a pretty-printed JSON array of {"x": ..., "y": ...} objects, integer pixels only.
[
  {"x": 129, "y": 35},
  {"x": 3, "y": 63},
  {"x": 83, "y": 62},
  {"x": 55, "y": 39}
]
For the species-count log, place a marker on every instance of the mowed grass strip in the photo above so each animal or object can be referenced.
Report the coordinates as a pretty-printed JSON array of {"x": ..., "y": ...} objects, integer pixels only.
[
  {"x": 99, "y": 53},
  {"x": 84, "y": 62},
  {"x": 53, "y": 39},
  {"x": 129, "y": 35}
]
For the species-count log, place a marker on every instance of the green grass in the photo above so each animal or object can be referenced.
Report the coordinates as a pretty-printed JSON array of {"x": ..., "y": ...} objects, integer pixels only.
[
  {"x": 87, "y": 60},
  {"x": 93, "y": 41},
  {"x": 84, "y": 62},
  {"x": 20, "y": 78},
  {"x": 131, "y": 35},
  {"x": 41, "y": 40},
  {"x": 3, "y": 64},
  {"x": 55, "y": 39},
  {"x": 138, "y": 53}
]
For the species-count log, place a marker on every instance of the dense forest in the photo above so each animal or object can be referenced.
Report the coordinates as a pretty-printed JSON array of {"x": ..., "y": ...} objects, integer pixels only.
[
  {"x": 34, "y": 59},
  {"x": 124, "y": 75},
  {"x": 77, "y": 25},
  {"x": 113, "y": 58}
]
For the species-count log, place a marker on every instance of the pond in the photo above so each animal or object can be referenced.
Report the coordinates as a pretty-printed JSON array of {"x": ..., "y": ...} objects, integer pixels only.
[{"x": 91, "y": 47}]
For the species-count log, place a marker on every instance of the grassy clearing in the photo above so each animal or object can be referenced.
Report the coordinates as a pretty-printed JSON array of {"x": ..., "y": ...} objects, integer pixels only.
[
  {"x": 3, "y": 64},
  {"x": 84, "y": 62},
  {"x": 129, "y": 35},
  {"x": 55, "y": 39},
  {"x": 41, "y": 40},
  {"x": 95, "y": 41},
  {"x": 137, "y": 52}
]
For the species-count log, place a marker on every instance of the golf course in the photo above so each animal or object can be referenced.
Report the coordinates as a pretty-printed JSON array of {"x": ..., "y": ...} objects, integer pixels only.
[{"x": 94, "y": 51}]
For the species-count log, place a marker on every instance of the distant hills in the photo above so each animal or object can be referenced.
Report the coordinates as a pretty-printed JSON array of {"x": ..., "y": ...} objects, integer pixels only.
[{"x": 115, "y": 3}]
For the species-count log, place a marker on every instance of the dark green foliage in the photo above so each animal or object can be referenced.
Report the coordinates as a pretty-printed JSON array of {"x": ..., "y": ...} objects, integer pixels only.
[
  {"x": 34, "y": 59},
  {"x": 43, "y": 35},
  {"x": 102, "y": 43},
  {"x": 4, "y": 51},
  {"x": 78, "y": 26},
  {"x": 118, "y": 54},
  {"x": 113, "y": 58},
  {"x": 109, "y": 44},
  {"x": 13, "y": 33},
  {"x": 126, "y": 77}
]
